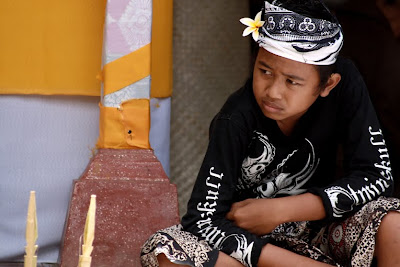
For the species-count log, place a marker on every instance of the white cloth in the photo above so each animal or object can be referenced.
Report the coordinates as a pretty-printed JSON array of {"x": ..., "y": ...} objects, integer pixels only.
[{"x": 300, "y": 38}]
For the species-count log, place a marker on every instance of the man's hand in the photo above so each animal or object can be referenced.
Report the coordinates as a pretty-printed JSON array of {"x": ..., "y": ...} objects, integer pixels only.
[
  {"x": 261, "y": 216},
  {"x": 258, "y": 216}
]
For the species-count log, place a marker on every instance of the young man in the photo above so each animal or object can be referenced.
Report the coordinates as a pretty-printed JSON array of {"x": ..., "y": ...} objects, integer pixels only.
[{"x": 267, "y": 193}]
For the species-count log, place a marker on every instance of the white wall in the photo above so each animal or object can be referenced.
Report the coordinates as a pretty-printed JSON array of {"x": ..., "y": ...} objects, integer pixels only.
[{"x": 45, "y": 143}]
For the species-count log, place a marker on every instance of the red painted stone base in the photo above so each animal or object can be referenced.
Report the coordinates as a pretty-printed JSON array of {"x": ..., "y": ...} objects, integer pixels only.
[{"x": 134, "y": 199}]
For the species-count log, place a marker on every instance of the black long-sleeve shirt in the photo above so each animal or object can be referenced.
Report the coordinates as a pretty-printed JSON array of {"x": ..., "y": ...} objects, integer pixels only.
[{"x": 249, "y": 157}]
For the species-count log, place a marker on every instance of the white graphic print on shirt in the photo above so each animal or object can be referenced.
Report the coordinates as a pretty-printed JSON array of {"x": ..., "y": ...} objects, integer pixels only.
[
  {"x": 368, "y": 192},
  {"x": 243, "y": 250},
  {"x": 253, "y": 168},
  {"x": 213, "y": 234},
  {"x": 288, "y": 177},
  {"x": 207, "y": 230}
]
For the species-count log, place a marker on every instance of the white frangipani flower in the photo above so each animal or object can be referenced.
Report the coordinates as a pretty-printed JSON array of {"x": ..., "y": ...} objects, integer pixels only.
[{"x": 253, "y": 26}]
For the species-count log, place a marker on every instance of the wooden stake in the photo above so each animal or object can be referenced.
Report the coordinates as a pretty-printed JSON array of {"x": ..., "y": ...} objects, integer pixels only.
[
  {"x": 88, "y": 236},
  {"x": 31, "y": 234}
]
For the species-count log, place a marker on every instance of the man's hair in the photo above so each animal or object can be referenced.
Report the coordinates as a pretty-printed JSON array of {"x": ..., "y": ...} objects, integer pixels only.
[{"x": 325, "y": 72}]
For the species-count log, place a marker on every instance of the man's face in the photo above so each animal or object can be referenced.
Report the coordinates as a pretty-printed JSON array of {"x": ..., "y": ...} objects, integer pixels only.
[{"x": 284, "y": 89}]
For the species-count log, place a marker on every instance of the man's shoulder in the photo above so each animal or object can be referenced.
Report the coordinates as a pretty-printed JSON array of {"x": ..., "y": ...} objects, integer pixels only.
[
  {"x": 240, "y": 101},
  {"x": 240, "y": 109},
  {"x": 352, "y": 83},
  {"x": 346, "y": 67}
]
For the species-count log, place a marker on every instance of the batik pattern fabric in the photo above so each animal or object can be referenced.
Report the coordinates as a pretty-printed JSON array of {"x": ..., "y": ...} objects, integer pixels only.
[
  {"x": 179, "y": 247},
  {"x": 350, "y": 242},
  {"x": 300, "y": 38}
]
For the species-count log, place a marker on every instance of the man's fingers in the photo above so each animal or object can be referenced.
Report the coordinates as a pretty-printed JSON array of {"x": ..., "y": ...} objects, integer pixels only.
[
  {"x": 242, "y": 203},
  {"x": 229, "y": 215},
  {"x": 235, "y": 206}
]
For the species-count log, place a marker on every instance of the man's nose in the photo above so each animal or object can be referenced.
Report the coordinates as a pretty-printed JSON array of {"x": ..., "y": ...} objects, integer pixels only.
[{"x": 274, "y": 89}]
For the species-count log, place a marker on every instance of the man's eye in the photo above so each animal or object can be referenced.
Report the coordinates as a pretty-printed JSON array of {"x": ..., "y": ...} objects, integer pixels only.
[
  {"x": 266, "y": 72},
  {"x": 292, "y": 82}
]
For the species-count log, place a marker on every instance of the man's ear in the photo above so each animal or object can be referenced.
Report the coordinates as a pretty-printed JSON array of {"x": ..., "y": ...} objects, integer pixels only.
[{"x": 330, "y": 84}]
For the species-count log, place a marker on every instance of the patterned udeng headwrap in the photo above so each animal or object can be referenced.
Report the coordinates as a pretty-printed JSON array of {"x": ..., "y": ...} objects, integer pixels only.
[{"x": 300, "y": 38}]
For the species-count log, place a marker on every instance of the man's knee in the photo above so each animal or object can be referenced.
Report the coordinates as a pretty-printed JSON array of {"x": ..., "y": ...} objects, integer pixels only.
[
  {"x": 390, "y": 222},
  {"x": 389, "y": 231}
]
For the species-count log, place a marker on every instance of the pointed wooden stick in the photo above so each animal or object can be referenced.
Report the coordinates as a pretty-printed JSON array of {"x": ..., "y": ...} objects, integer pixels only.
[
  {"x": 88, "y": 236},
  {"x": 31, "y": 234}
]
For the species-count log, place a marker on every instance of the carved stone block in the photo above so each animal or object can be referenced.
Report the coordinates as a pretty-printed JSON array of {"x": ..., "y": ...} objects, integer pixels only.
[{"x": 134, "y": 200}]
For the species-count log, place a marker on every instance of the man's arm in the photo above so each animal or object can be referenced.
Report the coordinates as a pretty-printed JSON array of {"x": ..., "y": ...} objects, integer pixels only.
[
  {"x": 213, "y": 195},
  {"x": 366, "y": 164},
  {"x": 261, "y": 216}
]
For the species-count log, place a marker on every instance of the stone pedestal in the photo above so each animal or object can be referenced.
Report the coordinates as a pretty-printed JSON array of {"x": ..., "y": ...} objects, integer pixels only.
[{"x": 134, "y": 199}]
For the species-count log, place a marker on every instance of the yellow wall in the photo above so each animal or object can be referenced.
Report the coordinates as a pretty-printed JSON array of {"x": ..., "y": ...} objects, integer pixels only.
[{"x": 51, "y": 46}]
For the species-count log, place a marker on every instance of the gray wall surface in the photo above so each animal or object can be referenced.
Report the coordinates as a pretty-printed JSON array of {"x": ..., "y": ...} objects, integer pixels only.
[{"x": 211, "y": 60}]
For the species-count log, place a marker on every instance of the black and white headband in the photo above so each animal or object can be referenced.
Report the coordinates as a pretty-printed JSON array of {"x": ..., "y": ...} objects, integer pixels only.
[{"x": 294, "y": 36}]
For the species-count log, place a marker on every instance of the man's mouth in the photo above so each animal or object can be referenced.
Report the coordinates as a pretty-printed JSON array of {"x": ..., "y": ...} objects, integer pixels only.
[{"x": 271, "y": 106}]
